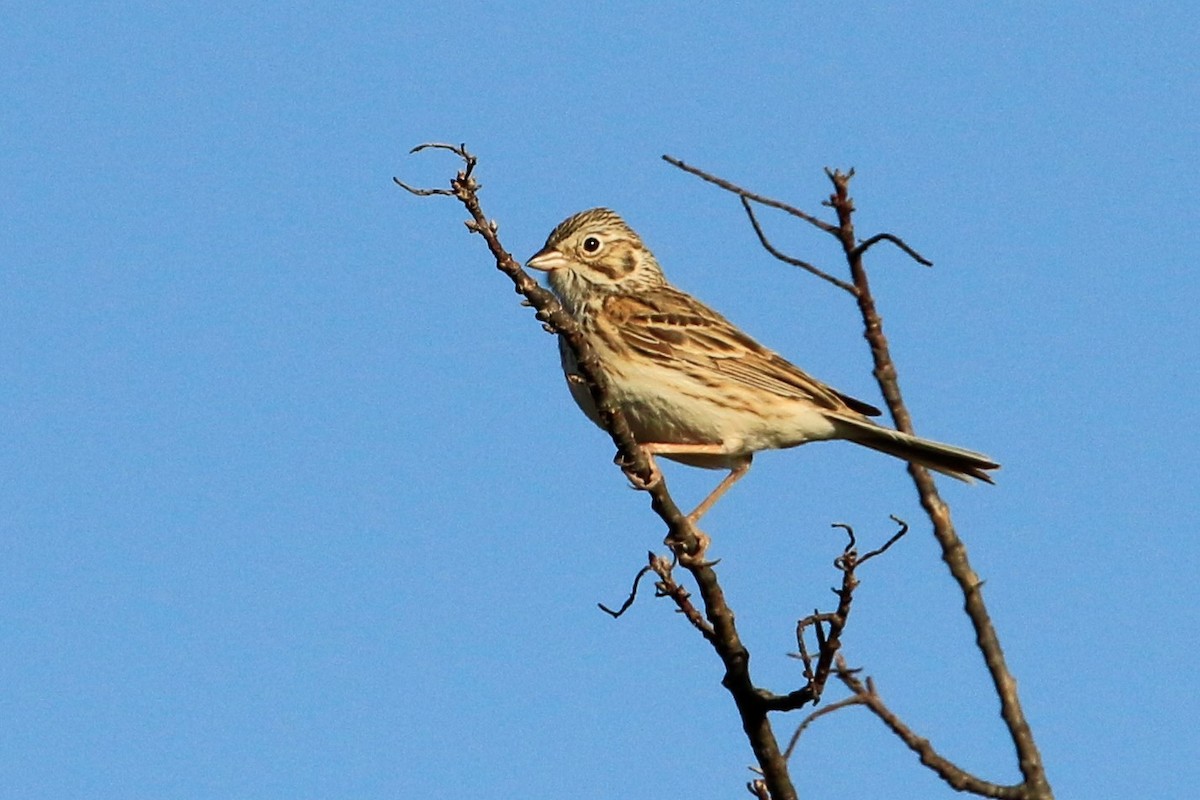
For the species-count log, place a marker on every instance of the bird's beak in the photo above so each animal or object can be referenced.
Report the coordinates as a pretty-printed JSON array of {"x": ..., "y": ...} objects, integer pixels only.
[{"x": 547, "y": 260}]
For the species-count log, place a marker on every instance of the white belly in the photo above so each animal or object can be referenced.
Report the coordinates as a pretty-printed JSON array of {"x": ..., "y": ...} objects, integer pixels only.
[{"x": 668, "y": 406}]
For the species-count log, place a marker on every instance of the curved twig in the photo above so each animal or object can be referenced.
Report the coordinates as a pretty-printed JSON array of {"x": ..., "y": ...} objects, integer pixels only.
[
  {"x": 896, "y": 240},
  {"x": 884, "y": 547},
  {"x": 632, "y": 594},
  {"x": 852, "y": 700},
  {"x": 458, "y": 150},
  {"x": 758, "y": 198},
  {"x": 795, "y": 262},
  {"x": 953, "y": 775}
]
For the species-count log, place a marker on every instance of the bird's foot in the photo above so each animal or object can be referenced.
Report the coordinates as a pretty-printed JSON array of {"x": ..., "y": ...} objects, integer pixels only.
[
  {"x": 695, "y": 559},
  {"x": 635, "y": 478}
]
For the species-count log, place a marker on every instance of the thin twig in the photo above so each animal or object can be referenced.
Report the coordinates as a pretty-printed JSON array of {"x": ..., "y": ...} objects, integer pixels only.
[
  {"x": 758, "y": 198},
  {"x": 852, "y": 700},
  {"x": 667, "y": 586},
  {"x": 458, "y": 150},
  {"x": 632, "y": 595},
  {"x": 422, "y": 192},
  {"x": 829, "y": 641},
  {"x": 884, "y": 548},
  {"x": 954, "y": 776},
  {"x": 814, "y": 619},
  {"x": 896, "y": 240},
  {"x": 795, "y": 262}
]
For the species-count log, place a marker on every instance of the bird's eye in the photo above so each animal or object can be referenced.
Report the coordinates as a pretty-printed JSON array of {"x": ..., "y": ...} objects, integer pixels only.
[{"x": 591, "y": 244}]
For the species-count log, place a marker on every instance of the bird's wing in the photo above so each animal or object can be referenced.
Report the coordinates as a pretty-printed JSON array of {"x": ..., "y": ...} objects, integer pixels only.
[{"x": 668, "y": 324}]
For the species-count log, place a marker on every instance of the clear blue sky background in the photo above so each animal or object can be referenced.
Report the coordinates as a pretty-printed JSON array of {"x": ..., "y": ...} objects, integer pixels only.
[{"x": 295, "y": 503}]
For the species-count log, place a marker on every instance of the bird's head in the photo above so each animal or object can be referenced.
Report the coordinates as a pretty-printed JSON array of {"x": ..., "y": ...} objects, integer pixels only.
[{"x": 594, "y": 253}]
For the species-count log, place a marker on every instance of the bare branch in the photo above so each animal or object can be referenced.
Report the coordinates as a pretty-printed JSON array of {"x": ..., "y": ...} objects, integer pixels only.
[
  {"x": 895, "y": 538},
  {"x": 954, "y": 552},
  {"x": 828, "y": 627},
  {"x": 852, "y": 700},
  {"x": 684, "y": 539},
  {"x": 668, "y": 587},
  {"x": 953, "y": 775},
  {"x": 716, "y": 621},
  {"x": 422, "y": 192},
  {"x": 465, "y": 188},
  {"x": 460, "y": 151},
  {"x": 795, "y": 262},
  {"x": 896, "y": 240},
  {"x": 632, "y": 594},
  {"x": 853, "y": 542},
  {"x": 814, "y": 619},
  {"x": 758, "y": 198},
  {"x": 829, "y": 642}
]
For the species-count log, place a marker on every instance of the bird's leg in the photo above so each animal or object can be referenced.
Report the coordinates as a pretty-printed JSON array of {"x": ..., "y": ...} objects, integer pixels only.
[
  {"x": 733, "y": 477},
  {"x": 735, "y": 474}
]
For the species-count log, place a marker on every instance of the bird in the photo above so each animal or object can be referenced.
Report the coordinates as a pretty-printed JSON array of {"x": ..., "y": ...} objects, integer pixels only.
[{"x": 693, "y": 387}]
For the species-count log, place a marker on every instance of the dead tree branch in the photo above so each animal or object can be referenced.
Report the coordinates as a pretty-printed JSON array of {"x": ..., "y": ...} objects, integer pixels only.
[
  {"x": 632, "y": 592},
  {"x": 852, "y": 700},
  {"x": 715, "y": 620},
  {"x": 682, "y": 536},
  {"x": 795, "y": 262},
  {"x": 865, "y": 693},
  {"x": 749, "y": 195},
  {"x": 896, "y": 240},
  {"x": 828, "y": 627},
  {"x": 954, "y": 552}
]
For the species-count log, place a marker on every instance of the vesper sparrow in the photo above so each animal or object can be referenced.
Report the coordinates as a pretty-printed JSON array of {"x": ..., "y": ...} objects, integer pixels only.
[{"x": 695, "y": 388}]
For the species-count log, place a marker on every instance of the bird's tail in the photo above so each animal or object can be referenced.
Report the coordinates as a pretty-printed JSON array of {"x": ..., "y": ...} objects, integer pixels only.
[{"x": 957, "y": 462}]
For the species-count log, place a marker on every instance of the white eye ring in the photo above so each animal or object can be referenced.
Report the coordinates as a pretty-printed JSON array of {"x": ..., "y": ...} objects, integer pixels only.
[{"x": 592, "y": 245}]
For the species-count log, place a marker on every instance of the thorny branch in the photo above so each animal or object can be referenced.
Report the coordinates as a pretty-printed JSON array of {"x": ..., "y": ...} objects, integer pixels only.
[{"x": 954, "y": 553}]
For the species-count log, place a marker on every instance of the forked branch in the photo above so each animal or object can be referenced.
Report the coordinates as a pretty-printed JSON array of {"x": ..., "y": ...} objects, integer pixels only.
[
  {"x": 828, "y": 627},
  {"x": 717, "y": 622},
  {"x": 954, "y": 552}
]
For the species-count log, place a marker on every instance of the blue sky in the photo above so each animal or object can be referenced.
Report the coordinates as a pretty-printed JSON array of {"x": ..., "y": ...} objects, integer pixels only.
[{"x": 296, "y": 504}]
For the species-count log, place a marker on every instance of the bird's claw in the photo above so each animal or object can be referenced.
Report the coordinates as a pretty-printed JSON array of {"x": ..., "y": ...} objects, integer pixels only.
[
  {"x": 635, "y": 478},
  {"x": 697, "y": 559}
]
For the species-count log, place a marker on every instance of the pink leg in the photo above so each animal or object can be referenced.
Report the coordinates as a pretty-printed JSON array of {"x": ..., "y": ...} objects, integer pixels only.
[{"x": 733, "y": 477}]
